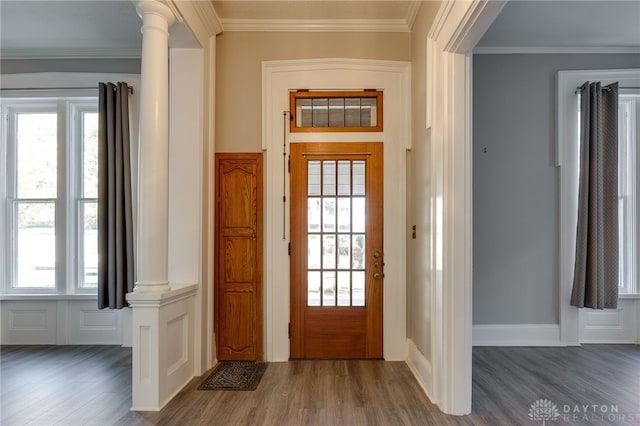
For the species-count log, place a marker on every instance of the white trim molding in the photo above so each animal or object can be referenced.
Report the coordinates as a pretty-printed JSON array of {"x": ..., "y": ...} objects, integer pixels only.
[
  {"x": 516, "y": 335},
  {"x": 563, "y": 50},
  {"x": 70, "y": 54},
  {"x": 421, "y": 369},
  {"x": 317, "y": 25},
  {"x": 456, "y": 30},
  {"x": 278, "y": 77}
]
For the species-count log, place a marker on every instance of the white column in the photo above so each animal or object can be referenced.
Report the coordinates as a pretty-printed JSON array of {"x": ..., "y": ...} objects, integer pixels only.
[{"x": 153, "y": 173}]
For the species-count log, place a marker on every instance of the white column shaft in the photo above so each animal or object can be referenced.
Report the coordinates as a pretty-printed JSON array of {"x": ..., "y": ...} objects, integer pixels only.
[{"x": 153, "y": 173}]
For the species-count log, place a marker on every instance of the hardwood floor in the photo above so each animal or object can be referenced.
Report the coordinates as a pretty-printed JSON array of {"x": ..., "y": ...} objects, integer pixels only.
[{"x": 91, "y": 385}]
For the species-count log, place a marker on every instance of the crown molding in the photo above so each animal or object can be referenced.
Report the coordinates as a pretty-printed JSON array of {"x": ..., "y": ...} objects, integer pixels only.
[
  {"x": 317, "y": 25},
  {"x": 209, "y": 17},
  {"x": 539, "y": 50},
  {"x": 412, "y": 13},
  {"x": 6, "y": 54}
]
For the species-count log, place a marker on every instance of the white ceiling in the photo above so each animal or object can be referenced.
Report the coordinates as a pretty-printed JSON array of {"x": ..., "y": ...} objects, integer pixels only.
[{"x": 53, "y": 28}]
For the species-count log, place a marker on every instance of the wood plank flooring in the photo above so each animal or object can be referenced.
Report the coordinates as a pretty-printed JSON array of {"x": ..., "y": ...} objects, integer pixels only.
[{"x": 91, "y": 385}]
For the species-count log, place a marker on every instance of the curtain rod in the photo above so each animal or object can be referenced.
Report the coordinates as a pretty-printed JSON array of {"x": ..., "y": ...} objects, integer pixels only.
[
  {"x": 55, "y": 88},
  {"x": 579, "y": 88}
]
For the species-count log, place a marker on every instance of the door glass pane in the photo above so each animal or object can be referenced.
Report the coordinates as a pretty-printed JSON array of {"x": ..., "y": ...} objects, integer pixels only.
[
  {"x": 89, "y": 244},
  {"x": 358, "y": 251},
  {"x": 329, "y": 214},
  {"x": 358, "y": 288},
  {"x": 314, "y": 252},
  {"x": 344, "y": 214},
  {"x": 313, "y": 178},
  {"x": 344, "y": 288},
  {"x": 329, "y": 288},
  {"x": 329, "y": 251},
  {"x": 358, "y": 178},
  {"x": 313, "y": 288},
  {"x": 313, "y": 214},
  {"x": 344, "y": 251},
  {"x": 37, "y": 155},
  {"x": 90, "y": 155},
  {"x": 329, "y": 178},
  {"x": 359, "y": 214},
  {"x": 36, "y": 245},
  {"x": 344, "y": 177}
]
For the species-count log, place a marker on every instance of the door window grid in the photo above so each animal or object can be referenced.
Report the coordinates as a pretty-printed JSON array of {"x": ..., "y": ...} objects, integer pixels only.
[{"x": 335, "y": 233}]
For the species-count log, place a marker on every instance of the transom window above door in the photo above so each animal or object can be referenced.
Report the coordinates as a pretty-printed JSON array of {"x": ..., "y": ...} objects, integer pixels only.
[{"x": 359, "y": 111}]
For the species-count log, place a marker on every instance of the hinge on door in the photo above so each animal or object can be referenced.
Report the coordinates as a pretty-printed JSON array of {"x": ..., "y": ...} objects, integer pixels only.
[
  {"x": 289, "y": 330},
  {"x": 289, "y": 164},
  {"x": 289, "y": 249}
]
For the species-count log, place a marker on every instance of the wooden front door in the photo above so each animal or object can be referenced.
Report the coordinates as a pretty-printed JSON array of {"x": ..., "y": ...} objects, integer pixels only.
[
  {"x": 336, "y": 250},
  {"x": 238, "y": 253}
]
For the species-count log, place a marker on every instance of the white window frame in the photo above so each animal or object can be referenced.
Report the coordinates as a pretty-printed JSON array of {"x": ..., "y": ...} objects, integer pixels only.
[
  {"x": 567, "y": 159},
  {"x": 68, "y": 176},
  {"x": 29, "y": 88}
]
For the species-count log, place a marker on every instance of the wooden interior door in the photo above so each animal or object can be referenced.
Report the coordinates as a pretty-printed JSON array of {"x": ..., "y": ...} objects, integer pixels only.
[
  {"x": 238, "y": 253},
  {"x": 336, "y": 250}
]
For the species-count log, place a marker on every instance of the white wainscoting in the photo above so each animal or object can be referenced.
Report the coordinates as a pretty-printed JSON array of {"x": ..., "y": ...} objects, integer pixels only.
[
  {"x": 60, "y": 321},
  {"x": 611, "y": 325}
]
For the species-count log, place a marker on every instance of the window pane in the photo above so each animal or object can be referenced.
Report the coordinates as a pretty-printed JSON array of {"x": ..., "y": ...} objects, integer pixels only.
[
  {"x": 358, "y": 288},
  {"x": 344, "y": 214},
  {"x": 89, "y": 244},
  {"x": 37, "y": 155},
  {"x": 329, "y": 251},
  {"x": 358, "y": 178},
  {"x": 313, "y": 214},
  {"x": 344, "y": 251},
  {"x": 359, "y": 214},
  {"x": 313, "y": 178},
  {"x": 358, "y": 251},
  {"x": 329, "y": 214},
  {"x": 336, "y": 112},
  {"x": 344, "y": 177},
  {"x": 304, "y": 116},
  {"x": 329, "y": 178},
  {"x": 352, "y": 112},
  {"x": 320, "y": 112},
  {"x": 313, "y": 288},
  {"x": 90, "y": 154},
  {"x": 36, "y": 245},
  {"x": 369, "y": 112},
  {"x": 314, "y": 252},
  {"x": 344, "y": 288},
  {"x": 329, "y": 288}
]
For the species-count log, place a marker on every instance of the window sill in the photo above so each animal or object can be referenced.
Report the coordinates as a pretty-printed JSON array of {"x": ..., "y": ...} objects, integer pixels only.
[
  {"x": 48, "y": 296},
  {"x": 627, "y": 296}
]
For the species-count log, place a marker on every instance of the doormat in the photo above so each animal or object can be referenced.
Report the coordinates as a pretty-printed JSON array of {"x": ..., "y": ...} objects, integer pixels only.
[{"x": 235, "y": 375}]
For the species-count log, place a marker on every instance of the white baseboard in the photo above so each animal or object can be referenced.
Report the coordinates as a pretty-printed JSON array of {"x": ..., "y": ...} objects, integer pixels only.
[
  {"x": 421, "y": 368},
  {"x": 517, "y": 335}
]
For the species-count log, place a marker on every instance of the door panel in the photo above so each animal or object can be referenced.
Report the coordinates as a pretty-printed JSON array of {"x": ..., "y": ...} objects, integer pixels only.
[
  {"x": 336, "y": 229},
  {"x": 238, "y": 251}
]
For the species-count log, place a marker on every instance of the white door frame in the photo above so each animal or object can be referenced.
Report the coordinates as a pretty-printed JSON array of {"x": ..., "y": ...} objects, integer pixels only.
[
  {"x": 456, "y": 30},
  {"x": 278, "y": 77}
]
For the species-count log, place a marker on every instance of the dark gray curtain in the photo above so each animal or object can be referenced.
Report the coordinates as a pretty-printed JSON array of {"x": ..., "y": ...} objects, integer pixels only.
[
  {"x": 595, "y": 279},
  {"x": 115, "y": 217}
]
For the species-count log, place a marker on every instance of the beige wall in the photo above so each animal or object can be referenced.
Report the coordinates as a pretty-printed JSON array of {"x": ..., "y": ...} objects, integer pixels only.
[
  {"x": 418, "y": 191},
  {"x": 239, "y": 69}
]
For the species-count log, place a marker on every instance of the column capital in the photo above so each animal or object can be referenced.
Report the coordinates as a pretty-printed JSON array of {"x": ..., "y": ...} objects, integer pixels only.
[{"x": 155, "y": 7}]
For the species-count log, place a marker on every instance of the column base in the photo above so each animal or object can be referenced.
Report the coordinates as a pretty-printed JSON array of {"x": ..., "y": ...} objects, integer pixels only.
[{"x": 152, "y": 287}]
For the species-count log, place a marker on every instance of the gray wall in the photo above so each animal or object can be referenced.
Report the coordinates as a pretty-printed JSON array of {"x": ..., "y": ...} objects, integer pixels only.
[
  {"x": 16, "y": 66},
  {"x": 515, "y": 184}
]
